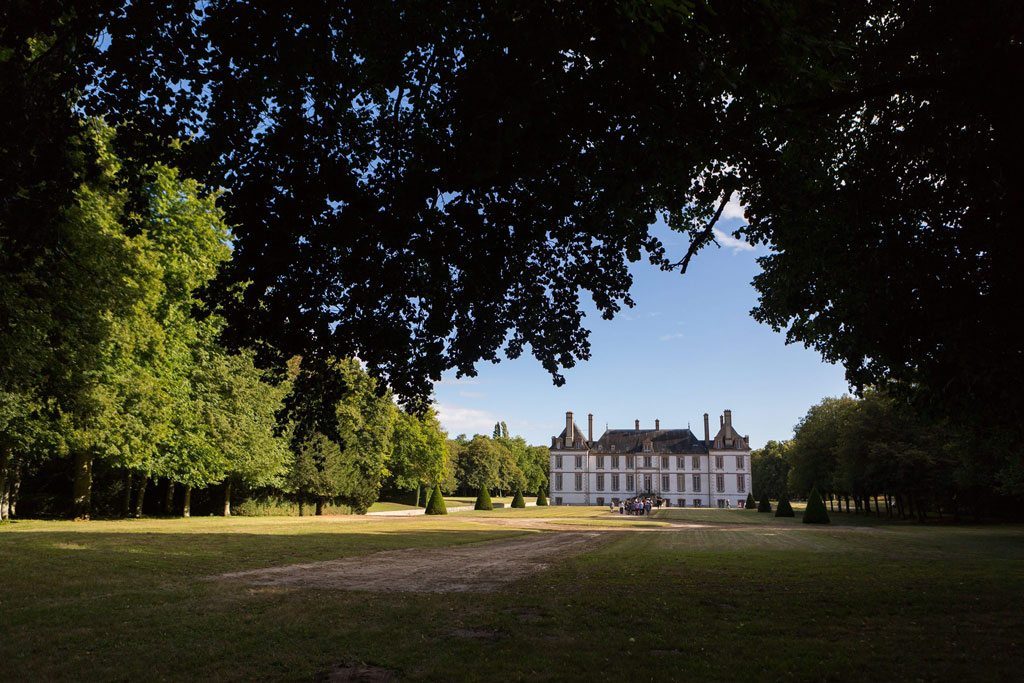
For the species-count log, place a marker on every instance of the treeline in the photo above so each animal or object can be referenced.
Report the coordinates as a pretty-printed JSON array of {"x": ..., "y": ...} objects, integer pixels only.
[
  {"x": 114, "y": 375},
  {"x": 498, "y": 463},
  {"x": 881, "y": 455}
]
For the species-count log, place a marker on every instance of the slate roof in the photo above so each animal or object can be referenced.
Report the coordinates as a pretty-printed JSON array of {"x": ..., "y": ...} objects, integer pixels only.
[
  {"x": 728, "y": 439},
  {"x": 670, "y": 441},
  {"x": 580, "y": 436}
]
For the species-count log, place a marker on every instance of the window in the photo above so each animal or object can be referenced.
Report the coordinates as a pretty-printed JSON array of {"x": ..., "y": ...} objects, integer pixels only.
[
  {"x": 664, "y": 462},
  {"x": 600, "y": 462},
  {"x": 719, "y": 462},
  {"x": 741, "y": 483},
  {"x": 600, "y": 501},
  {"x": 629, "y": 482},
  {"x": 600, "y": 482},
  {"x": 680, "y": 462},
  {"x": 647, "y": 461},
  {"x": 647, "y": 447},
  {"x": 696, "y": 483},
  {"x": 696, "y": 502},
  {"x": 721, "y": 503},
  {"x": 740, "y": 462},
  {"x": 558, "y": 462},
  {"x": 558, "y": 500},
  {"x": 558, "y": 481},
  {"x": 629, "y": 462},
  {"x": 579, "y": 481},
  {"x": 720, "y": 483},
  {"x": 682, "y": 502},
  {"x": 647, "y": 482},
  {"x": 579, "y": 462},
  {"x": 615, "y": 462},
  {"x": 615, "y": 482},
  {"x": 664, "y": 482},
  {"x": 613, "y": 448},
  {"x": 680, "y": 482},
  {"x": 696, "y": 462}
]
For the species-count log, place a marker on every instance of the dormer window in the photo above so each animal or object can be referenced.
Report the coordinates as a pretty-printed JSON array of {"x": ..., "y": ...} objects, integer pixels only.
[{"x": 648, "y": 447}]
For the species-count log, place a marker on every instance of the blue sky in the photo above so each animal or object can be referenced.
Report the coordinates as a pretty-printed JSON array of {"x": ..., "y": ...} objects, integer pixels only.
[{"x": 688, "y": 347}]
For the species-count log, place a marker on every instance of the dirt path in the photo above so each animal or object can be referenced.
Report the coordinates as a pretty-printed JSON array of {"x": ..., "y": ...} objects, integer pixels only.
[{"x": 470, "y": 568}]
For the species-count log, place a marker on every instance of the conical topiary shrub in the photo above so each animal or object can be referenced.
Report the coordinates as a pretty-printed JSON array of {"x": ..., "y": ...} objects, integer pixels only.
[
  {"x": 483, "y": 500},
  {"x": 436, "y": 504},
  {"x": 764, "y": 505},
  {"x": 518, "y": 501},
  {"x": 541, "y": 498},
  {"x": 815, "y": 512},
  {"x": 784, "y": 509},
  {"x": 751, "y": 505}
]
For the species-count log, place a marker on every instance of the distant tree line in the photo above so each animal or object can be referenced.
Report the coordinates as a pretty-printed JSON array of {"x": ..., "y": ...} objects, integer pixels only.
[
  {"x": 499, "y": 464},
  {"x": 880, "y": 455}
]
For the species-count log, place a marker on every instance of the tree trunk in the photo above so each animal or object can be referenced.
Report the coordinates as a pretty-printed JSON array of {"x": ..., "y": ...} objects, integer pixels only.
[
  {"x": 5, "y": 499},
  {"x": 126, "y": 500},
  {"x": 418, "y": 487},
  {"x": 302, "y": 507},
  {"x": 899, "y": 505},
  {"x": 81, "y": 490},
  {"x": 227, "y": 499},
  {"x": 319, "y": 506},
  {"x": 140, "y": 495},
  {"x": 831, "y": 505},
  {"x": 13, "y": 487},
  {"x": 878, "y": 510},
  {"x": 186, "y": 507},
  {"x": 169, "y": 498}
]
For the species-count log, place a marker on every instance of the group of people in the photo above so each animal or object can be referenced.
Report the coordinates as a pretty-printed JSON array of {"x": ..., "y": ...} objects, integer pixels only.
[{"x": 638, "y": 506}]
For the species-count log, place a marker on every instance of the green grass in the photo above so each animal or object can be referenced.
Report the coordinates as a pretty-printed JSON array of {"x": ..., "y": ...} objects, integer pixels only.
[{"x": 728, "y": 598}]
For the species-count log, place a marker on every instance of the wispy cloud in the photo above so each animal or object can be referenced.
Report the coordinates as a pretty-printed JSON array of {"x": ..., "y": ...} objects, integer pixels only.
[
  {"x": 472, "y": 394},
  {"x": 730, "y": 242},
  {"x": 670, "y": 337},
  {"x": 463, "y": 420},
  {"x": 456, "y": 381},
  {"x": 734, "y": 209}
]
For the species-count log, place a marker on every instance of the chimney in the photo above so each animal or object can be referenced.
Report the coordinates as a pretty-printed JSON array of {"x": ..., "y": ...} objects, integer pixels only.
[
  {"x": 590, "y": 427},
  {"x": 657, "y": 424},
  {"x": 721, "y": 421},
  {"x": 636, "y": 425},
  {"x": 570, "y": 436},
  {"x": 728, "y": 418},
  {"x": 554, "y": 442},
  {"x": 746, "y": 441},
  {"x": 707, "y": 431}
]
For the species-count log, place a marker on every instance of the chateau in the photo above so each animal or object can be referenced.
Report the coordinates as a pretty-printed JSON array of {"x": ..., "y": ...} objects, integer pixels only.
[{"x": 672, "y": 464}]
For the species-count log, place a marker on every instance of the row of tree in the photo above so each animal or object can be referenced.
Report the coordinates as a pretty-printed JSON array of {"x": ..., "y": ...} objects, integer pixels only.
[{"x": 881, "y": 454}]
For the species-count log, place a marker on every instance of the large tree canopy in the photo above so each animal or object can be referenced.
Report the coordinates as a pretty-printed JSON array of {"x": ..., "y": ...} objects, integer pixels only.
[{"x": 426, "y": 186}]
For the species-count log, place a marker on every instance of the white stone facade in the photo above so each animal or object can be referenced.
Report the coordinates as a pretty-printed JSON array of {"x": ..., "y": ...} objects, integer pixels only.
[{"x": 672, "y": 464}]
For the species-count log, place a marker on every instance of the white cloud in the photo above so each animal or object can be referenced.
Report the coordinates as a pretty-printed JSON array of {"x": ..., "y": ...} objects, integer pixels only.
[
  {"x": 734, "y": 209},
  {"x": 730, "y": 242},
  {"x": 472, "y": 394},
  {"x": 456, "y": 381},
  {"x": 670, "y": 337},
  {"x": 462, "y": 420}
]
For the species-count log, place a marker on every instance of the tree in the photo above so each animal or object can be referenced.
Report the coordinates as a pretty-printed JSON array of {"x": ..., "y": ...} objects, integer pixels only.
[
  {"x": 815, "y": 512},
  {"x": 750, "y": 504},
  {"x": 420, "y": 454},
  {"x": 542, "y": 500},
  {"x": 518, "y": 501},
  {"x": 478, "y": 465},
  {"x": 769, "y": 469},
  {"x": 784, "y": 509},
  {"x": 483, "y": 501},
  {"x": 496, "y": 433},
  {"x": 436, "y": 504},
  {"x": 765, "y": 505},
  {"x": 811, "y": 454}
]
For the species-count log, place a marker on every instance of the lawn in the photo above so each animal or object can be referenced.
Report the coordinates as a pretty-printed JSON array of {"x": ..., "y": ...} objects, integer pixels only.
[{"x": 706, "y": 596}]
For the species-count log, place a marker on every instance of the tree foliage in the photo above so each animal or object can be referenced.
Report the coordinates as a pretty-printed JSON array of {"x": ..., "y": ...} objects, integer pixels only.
[
  {"x": 815, "y": 512},
  {"x": 436, "y": 506},
  {"x": 769, "y": 469},
  {"x": 784, "y": 508},
  {"x": 483, "y": 501}
]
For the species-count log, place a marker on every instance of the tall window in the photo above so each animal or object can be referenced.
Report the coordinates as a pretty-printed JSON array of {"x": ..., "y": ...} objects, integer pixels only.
[
  {"x": 680, "y": 462},
  {"x": 719, "y": 462},
  {"x": 664, "y": 462},
  {"x": 664, "y": 482},
  {"x": 695, "y": 462},
  {"x": 615, "y": 462},
  {"x": 615, "y": 482},
  {"x": 600, "y": 482},
  {"x": 600, "y": 462},
  {"x": 720, "y": 483},
  {"x": 558, "y": 462},
  {"x": 629, "y": 482},
  {"x": 647, "y": 461},
  {"x": 558, "y": 481},
  {"x": 740, "y": 462},
  {"x": 696, "y": 483},
  {"x": 579, "y": 462},
  {"x": 629, "y": 462},
  {"x": 579, "y": 481},
  {"x": 741, "y": 483},
  {"x": 680, "y": 482},
  {"x": 647, "y": 482}
]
